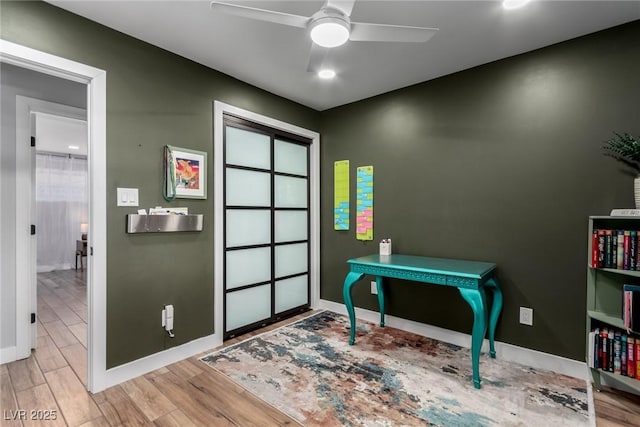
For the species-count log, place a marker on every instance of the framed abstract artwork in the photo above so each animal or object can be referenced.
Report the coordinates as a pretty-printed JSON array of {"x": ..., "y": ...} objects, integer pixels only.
[{"x": 186, "y": 173}]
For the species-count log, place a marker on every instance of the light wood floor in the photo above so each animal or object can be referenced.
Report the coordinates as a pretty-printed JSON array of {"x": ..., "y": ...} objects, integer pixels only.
[{"x": 183, "y": 394}]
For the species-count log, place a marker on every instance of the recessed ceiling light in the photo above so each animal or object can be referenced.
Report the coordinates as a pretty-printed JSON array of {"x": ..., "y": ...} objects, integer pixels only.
[
  {"x": 74, "y": 147},
  {"x": 514, "y": 4},
  {"x": 326, "y": 73}
]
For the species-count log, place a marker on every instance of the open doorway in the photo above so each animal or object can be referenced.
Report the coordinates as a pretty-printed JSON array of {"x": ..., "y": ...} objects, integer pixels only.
[
  {"x": 47, "y": 187},
  {"x": 61, "y": 219},
  {"x": 15, "y": 217}
]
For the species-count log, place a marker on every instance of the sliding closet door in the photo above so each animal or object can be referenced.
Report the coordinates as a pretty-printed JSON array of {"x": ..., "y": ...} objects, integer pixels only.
[
  {"x": 266, "y": 226},
  {"x": 291, "y": 225}
]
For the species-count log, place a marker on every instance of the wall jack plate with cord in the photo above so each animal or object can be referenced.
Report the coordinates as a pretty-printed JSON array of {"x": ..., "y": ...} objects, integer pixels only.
[{"x": 167, "y": 319}]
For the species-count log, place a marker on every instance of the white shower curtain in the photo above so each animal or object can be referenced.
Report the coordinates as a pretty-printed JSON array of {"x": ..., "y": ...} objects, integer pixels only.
[{"x": 61, "y": 206}]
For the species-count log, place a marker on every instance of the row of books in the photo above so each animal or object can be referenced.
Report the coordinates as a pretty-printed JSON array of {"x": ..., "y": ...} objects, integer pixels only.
[
  {"x": 631, "y": 307},
  {"x": 615, "y": 249},
  {"x": 614, "y": 351}
]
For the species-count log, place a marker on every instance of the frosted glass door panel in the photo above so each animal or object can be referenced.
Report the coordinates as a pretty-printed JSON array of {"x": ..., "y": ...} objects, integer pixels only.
[
  {"x": 248, "y": 306},
  {"x": 248, "y": 266},
  {"x": 246, "y": 148},
  {"x": 291, "y": 293},
  {"x": 290, "y": 158},
  {"x": 248, "y": 188},
  {"x": 291, "y": 226},
  {"x": 248, "y": 227},
  {"x": 291, "y": 259},
  {"x": 291, "y": 192}
]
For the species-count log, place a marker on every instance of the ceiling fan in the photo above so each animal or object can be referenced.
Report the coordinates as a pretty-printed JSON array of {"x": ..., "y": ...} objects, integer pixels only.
[{"x": 330, "y": 27}]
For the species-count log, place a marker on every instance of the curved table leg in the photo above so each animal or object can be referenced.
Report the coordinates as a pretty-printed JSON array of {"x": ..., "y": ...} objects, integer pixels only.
[
  {"x": 349, "y": 281},
  {"x": 496, "y": 309},
  {"x": 380, "y": 298},
  {"x": 477, "y": 300}
]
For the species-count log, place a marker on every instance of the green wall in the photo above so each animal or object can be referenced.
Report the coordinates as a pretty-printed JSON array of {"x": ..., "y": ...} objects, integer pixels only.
[
  {"x": 498, "y": 163},
  {"x": 153, "y": 98}
]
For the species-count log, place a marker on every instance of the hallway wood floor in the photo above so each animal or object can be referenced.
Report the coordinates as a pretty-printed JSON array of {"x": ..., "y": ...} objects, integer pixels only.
[{"x": 183, "y": 394}]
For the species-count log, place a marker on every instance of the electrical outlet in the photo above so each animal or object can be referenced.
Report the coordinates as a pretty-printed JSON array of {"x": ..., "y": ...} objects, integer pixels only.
[
  {"x": 526, "y": 316},
  {"x": 374, "y": 287}
]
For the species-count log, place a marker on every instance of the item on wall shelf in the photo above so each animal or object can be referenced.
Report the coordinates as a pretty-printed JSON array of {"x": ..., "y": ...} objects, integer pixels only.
[
  {"x": 163, "y": 223},
  {"x": 185, "y": 174},
  {"x": 625, "y": 148},
  {"x": 341, "y": 195},
  {"x": 159, "y": 210},
  {"x": 364, "y": 203},
  {"x": 385, "y": 247}
]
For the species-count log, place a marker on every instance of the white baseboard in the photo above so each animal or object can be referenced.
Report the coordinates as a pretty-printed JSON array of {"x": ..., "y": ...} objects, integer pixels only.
[
  {"x": 509, "y": 352},
  {"x": 50, "y": 268},
  {"x": 142, "y": 366},
  {"x": 8, "y": 354},
  {"x": 513, "y": 353}
]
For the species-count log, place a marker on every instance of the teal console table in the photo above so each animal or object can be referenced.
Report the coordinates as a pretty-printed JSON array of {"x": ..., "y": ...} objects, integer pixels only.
[{"x": 470, "y": 277}]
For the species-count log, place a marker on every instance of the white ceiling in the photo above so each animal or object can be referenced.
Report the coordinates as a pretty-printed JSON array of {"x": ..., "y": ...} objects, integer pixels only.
[
  {"x": 58, "y": 134},
  {"x": 274, "y": 57}
]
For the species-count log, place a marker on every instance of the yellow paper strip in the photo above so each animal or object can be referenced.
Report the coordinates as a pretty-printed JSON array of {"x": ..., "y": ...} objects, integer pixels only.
[{"x": 341, "y": 195}]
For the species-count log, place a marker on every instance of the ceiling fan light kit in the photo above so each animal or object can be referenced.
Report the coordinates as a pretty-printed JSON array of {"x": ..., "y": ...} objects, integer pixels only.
[
  {"x": 329, "y": 33},
  {"x": 329, "y": 28}
]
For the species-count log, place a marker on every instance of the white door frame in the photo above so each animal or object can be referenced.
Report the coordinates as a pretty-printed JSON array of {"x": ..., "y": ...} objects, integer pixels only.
[
  {"x": 96, "y": 81},
  {"x": 219, "y": 109},
  {"x": 26, "y": 270}
]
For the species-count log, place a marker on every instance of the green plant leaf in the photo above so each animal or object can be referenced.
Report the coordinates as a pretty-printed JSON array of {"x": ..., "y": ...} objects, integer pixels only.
[{"x": 624, "y": 148}]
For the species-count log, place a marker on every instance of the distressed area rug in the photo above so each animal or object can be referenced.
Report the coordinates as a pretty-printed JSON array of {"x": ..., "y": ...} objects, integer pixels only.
[{"x": 390, "y": 377}]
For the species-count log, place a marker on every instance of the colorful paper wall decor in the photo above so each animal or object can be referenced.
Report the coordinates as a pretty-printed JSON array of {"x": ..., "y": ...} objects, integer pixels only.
[
  {"x": 364, "y": 203},
  {"x": 341, "y": 195}
]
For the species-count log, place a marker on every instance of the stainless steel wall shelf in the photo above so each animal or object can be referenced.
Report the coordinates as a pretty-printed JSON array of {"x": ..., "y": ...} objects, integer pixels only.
[{"x": 163, "y": 223}]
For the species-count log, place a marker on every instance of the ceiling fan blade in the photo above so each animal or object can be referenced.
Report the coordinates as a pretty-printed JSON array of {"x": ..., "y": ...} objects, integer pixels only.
[
  {"x": 344, "y": 5},
  {"x": 361, "y": 31},
  {"x": 316, "y": 58},
  {"x": 260, "y": 14}
]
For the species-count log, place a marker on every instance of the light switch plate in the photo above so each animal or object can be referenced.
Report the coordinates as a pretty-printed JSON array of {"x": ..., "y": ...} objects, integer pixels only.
[{"x": 127, "y": 197}]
